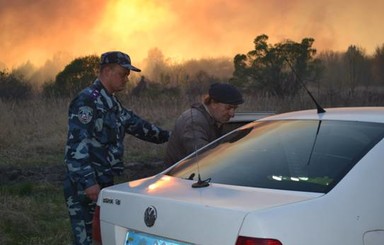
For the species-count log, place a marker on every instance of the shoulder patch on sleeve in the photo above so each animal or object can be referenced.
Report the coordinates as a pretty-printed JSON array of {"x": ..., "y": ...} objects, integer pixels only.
[
  {"x": 85, "y": 114},
  {"x": 95, "y": 93}
]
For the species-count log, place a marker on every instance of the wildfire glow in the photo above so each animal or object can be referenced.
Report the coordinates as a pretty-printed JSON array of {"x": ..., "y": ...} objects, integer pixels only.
[{"x": 36, "y": 31}]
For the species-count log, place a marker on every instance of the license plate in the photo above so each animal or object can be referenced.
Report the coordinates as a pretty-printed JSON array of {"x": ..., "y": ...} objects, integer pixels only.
[{"x": 138, "y": 238}]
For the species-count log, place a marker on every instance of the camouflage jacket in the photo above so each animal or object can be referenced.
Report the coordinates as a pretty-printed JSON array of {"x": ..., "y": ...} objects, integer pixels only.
[{"x": 97, "y": 124}]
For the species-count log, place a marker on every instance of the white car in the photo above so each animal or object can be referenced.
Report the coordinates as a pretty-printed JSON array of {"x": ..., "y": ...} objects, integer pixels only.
[{"x": 297, "y": 178}]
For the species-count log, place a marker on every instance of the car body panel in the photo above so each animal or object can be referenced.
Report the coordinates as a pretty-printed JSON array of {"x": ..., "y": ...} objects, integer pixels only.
[
  {"x": 350, "y": 213},
  {"x": 199, "y": 208},
  {"x": 350, "y": 208},
  {"x": 363, "y": 114}
]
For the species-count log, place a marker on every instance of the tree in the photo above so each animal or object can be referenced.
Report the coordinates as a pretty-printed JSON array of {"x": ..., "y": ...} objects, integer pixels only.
[
  {"x": 356, "y": 68},
  {"x": 378, "y": 65},
  {"x": 332, "y": 78},
  {"x": 75, "y": 76},
  {"x": 276, "y": 69},
  {"x": 13, "y": 87}
]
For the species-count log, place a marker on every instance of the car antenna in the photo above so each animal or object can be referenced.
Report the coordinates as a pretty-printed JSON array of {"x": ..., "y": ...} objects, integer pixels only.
[
  {"x": 319, "y": 108},
  {"x": 200, "y": 183}
]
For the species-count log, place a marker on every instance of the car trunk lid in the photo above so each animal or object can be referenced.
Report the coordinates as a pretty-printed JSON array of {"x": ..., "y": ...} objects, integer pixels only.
[{"x": 209, "y": 215}]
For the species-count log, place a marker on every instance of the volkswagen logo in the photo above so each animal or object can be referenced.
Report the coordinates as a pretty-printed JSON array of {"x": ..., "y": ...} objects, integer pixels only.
[{"x": 150, "y": 216}]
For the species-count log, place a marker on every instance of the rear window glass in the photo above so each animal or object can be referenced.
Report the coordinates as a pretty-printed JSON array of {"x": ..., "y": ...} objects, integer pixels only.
[{"x": 299, "y": 155}]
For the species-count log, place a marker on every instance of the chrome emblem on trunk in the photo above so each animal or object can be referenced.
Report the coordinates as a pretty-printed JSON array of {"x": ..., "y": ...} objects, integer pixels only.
[{"x": 150, "y": 216}]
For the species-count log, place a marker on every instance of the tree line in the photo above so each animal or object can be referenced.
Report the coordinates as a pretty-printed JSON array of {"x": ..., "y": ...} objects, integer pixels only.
[{"x": 279, "y": 70}]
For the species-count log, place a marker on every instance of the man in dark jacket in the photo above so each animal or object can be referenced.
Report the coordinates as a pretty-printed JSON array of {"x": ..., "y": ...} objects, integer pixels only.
[
  {"x": 203, "y": 122},
  {"x": 97, "y": 124}
]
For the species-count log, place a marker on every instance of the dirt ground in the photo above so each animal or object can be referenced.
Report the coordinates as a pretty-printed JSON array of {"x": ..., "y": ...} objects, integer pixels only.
[{"x": 55, "y": 174}]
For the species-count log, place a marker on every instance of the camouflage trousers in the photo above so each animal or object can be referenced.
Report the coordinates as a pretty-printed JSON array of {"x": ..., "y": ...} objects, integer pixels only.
[{"x": 81, "y": 210}]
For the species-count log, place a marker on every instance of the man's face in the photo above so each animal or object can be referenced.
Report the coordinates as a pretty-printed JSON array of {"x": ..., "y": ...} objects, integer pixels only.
[
  {"x": 222, "y": 112},
  {"x": 118, "y": 78}
]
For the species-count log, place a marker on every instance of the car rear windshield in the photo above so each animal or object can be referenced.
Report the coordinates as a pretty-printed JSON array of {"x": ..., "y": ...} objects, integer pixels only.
[{"x": 299, "y": 155}]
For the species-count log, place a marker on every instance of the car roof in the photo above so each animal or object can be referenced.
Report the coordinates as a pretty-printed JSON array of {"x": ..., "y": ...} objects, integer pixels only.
[
  {"x": 363, "y": 114},
  {"x": 249, "y": 116}
]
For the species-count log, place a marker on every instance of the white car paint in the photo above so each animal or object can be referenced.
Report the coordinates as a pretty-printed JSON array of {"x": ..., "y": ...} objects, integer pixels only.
[{"x": 351, "y": 213}]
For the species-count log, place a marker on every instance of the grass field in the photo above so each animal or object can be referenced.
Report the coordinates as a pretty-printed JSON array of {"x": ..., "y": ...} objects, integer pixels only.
[{"x": 33, "y": 134}]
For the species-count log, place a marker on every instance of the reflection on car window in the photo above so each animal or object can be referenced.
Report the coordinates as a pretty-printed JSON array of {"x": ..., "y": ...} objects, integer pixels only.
[{"x": 301, "y": 155}]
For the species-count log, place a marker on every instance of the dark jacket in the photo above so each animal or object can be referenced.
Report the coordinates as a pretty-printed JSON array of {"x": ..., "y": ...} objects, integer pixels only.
[{"x": 193, "y": 129}]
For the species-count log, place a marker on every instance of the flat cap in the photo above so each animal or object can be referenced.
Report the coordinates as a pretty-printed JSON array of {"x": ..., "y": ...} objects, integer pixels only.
[{"x": 225, "y": 93}]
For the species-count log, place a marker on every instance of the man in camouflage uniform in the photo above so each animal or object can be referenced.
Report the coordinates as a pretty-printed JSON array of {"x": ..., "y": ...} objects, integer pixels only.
[{"x": 97, "y": 124}]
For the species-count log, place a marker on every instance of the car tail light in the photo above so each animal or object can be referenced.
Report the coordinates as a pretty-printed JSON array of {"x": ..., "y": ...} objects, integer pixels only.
[
  {"x": 243, "y": 240},
  {"x": 96, "y": 232}
]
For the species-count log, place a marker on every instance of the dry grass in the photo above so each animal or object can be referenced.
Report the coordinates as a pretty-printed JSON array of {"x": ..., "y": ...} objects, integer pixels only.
[{"x": 33, "y": 132}]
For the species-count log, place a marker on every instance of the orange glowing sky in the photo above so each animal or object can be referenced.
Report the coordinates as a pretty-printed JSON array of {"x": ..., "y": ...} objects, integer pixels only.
[{"x": 182, "y": 29}]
